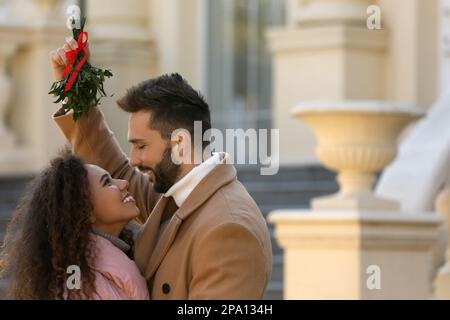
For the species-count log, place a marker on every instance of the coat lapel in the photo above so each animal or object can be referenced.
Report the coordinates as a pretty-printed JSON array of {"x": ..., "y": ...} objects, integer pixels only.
[
  {"x": 163, "y": 246},
  {"x": 218, "y": 177},
  {"x": 146, "y": 240}
]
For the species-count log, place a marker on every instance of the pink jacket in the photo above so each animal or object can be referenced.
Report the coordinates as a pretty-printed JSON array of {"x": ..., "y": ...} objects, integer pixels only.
[{"x": 116, "y": 276}]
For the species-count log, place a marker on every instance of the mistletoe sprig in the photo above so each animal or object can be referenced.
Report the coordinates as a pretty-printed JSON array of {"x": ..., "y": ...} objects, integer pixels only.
[{"x": 82, "y": 86}]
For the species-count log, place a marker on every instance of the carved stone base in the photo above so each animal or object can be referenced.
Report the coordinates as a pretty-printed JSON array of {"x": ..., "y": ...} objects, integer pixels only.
[
  {"x": 442, "y": 284},
  {"x": 357, "y": 254},
  {"x": 363, "y": 201}
]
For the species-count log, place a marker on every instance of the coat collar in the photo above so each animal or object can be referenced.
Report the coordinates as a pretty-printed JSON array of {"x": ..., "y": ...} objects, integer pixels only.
[
  {"x": 181, "y": 190},
  {"x": 148, "y": 249}
]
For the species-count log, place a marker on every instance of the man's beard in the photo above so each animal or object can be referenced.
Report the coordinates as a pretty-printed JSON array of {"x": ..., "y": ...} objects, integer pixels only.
[{"x": 166, "y": 173}]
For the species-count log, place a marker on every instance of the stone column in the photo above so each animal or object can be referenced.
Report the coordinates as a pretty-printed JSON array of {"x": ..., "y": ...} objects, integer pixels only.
[
  {"x": 8, "y": 152},
  {"x": 6, "y": 137},
  {"x": 15, "y": 158},
  {"x": 120, "y": 40},
  {"x": 442, "y": 283},
  {"x": 339, "y": 254},
  {"x": 327, "y": 53},
  {"x": 37, "y": 27}
]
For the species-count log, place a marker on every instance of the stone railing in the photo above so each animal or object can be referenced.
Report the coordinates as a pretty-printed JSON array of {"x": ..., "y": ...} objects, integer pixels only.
[
  {"x": 13, "y": 158},
  {"x": 120, "y": 40},
  {"x": 28, "y": 31},
  {"x": 442, "y": 283}
]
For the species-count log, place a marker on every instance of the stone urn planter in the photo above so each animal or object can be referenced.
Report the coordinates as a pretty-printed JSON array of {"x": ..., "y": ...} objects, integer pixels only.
[{"x": 356, "y": 139}]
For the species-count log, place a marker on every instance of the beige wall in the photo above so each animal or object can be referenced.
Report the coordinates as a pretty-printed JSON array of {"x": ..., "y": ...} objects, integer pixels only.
[
  {"x": 169, "y": 43},
  {"x": 412, "y": 62},
  {"x": 175, "y": 25},
  {"x": 121, "y": 40},
  {"x": 30, "y": 108},
  {"x": 323, "y": 62},
  {"x": 167, "y": 37},
  {"x": 32, "y": 119}
]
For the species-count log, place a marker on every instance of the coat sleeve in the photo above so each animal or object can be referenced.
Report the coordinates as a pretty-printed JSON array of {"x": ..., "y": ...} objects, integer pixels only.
[
  {"x": 229, "y": 263},
  {"x": 93, "y": 141}
]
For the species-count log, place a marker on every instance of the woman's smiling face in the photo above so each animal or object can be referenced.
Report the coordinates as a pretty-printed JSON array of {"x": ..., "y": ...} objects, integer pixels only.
[{"x": 113, "y": 206}]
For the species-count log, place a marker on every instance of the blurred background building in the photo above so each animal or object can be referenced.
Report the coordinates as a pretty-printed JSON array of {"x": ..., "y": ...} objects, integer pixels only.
[{"x": 255, "y": 60}]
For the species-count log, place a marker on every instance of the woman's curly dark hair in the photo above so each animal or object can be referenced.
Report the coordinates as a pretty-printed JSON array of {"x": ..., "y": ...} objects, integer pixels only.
[{"x": 50, "y": 231}]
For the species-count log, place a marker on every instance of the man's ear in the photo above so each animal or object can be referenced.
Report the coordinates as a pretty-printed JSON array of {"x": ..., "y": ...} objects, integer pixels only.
[
  {"x": 181, "y": 146},
  {"x": 185, "y": 146},
  {"x": 177, "y": 150}
]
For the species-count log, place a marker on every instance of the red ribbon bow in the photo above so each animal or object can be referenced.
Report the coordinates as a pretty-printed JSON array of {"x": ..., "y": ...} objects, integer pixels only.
[{"x": 72, "y": 57}]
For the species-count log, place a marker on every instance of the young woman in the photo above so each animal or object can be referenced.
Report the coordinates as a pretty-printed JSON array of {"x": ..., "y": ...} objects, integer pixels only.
[{"x": 73, "y": 214}]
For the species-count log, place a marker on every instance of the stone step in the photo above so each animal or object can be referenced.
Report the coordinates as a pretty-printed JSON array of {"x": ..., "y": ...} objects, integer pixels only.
[
  {"x": 13, "y": 184},
  {"x": 277, "y": 268},
  {"x": 274, "y": 291},
  {"x": 11, "y": 191},
  {"x": 285, "y": 173},
  {"x": 275, "y": 247},
  {"x": 275, "y": 288},
  {"x": 290, "y": 188}
]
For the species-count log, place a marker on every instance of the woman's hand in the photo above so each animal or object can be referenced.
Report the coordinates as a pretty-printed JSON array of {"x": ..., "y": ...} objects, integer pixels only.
[{"x": 59, "y": 60}]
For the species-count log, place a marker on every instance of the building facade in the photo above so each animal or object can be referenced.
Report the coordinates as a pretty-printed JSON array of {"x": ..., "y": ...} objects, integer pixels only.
[{"x": 254, "y": 60}]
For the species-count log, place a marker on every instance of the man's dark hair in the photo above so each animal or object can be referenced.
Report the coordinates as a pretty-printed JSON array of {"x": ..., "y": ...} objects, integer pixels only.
[{"x": 173, "y": 103}]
